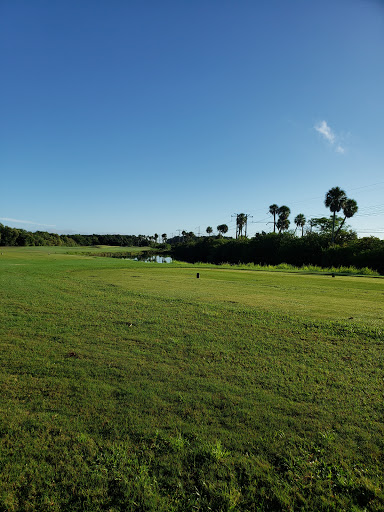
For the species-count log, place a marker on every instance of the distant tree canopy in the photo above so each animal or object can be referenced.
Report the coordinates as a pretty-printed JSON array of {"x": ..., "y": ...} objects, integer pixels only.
[
  {"x": 327, "y": 229},
  {"x": 272, "y": 249},
  {"x": 222, "y": 229},
  {"x": 325, "y": 225},
  {"x": 20, "y": 237}
]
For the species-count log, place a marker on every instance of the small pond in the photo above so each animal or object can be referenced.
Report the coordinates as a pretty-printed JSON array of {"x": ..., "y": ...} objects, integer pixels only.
[
  {"x": 155, "y": 258},
  {"x": 146, "y": 256}
]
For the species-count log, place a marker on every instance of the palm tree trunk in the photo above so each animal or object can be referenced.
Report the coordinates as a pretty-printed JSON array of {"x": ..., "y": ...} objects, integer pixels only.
[{"x": 339, "y": 228}]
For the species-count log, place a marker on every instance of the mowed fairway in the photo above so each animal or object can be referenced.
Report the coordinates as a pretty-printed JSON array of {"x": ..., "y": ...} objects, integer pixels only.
[{"x": 129, "y": 386}]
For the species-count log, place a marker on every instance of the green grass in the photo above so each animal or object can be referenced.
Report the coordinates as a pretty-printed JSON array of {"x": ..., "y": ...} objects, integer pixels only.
[
  {"x": 137, "y": 386},
  {"x": 85, "y": 250},
  {"x": 286, "y": 267}
]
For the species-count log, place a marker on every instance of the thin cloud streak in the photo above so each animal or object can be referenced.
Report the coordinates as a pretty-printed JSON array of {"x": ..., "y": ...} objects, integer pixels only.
[
  {"x": 326, "y": 132},
  {"x": 6, "y": 219}
]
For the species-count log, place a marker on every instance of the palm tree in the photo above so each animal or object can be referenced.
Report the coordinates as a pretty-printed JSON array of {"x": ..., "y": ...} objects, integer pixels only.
[
  {"x": 282, "y": 224},
  {"x": 222, "y": 229},
  {"x": 349, "y": 209},
  {"x": 334, "y": 200},
  {"x": 156, "y": 236},
  {"x": 283, "y": 212},
  {"x": 241, "y": 221},
  {"x": 300, "y": 222},
  {"x": 164, "y": 237},
  {"x": 209, "y": 230},
  {"x": 273, "y": 210}
]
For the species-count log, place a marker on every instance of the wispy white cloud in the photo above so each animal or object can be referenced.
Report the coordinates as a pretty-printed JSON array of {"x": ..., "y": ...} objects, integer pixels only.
[
  {"x": 6, "y": 219},
  {"x": 326, "y": 132}
]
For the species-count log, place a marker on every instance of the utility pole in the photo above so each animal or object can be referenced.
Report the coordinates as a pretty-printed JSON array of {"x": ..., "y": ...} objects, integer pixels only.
[
  {"x": 246, "y": 215},
  {"x": 235, "y": 215},
  {"x": 246, "y": 222}
]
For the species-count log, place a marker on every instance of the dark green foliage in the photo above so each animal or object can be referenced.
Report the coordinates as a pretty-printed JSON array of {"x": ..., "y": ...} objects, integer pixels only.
[
  {"x": 8, "y": 236},
  {"x": 272, "y": 249},
  {"x": 349, "y": 209},
  {"x": 222, "y": 229},
  {"x": 336, "y": 200},
  {"x": 300, "y": 222},
  {"x": 19, "y": 237},
  {"x": 241, "y": 223},
  {"x": 323, "y": 225},
  {"x": 283, "y": 222}
]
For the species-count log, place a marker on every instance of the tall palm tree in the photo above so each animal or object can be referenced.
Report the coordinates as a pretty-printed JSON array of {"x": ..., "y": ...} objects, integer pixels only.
[
  {"x": 209, "y": 230},
  {"x": 282, "y": 223},
  {"x": 300, "y": 222},
  {"x": 241, "y": 221},
  {"x": 164, "y": 237},
  {"x": 349, "y": 209},
  {"x": 334, "y": 200},
  {"x": 273, "y": 210}
]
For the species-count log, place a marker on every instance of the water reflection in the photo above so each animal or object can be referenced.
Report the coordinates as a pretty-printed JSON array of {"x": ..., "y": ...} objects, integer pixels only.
[{"x": 155, "y": 258}]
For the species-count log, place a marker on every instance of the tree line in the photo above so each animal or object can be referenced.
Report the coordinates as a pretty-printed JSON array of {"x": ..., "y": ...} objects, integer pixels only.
[
  {"x": 20, "y": 237},
  {"x": 271, "y": 249},
  {"x": 335, "y": 199},
  {"x": 326, "y": 242}
]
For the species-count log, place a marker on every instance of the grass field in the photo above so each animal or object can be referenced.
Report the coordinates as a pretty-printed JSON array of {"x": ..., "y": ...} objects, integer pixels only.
[{"x": 129, "y": 386}]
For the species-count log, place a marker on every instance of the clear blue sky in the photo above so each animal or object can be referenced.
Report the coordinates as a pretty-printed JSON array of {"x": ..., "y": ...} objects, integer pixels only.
[{"x": 130, "y": 116}]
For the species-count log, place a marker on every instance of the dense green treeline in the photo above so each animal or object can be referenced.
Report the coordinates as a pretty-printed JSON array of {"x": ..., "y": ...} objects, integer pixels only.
[
  {"x": 272, "y": 249},
  {"x": 20, "y": 237},
  {"x": 265, "y": 248}
]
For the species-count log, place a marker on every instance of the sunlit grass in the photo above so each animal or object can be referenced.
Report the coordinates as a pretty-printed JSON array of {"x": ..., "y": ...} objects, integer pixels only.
[
  {"x": 134, "y": 386},
  {"x": 309, "y": 296}
]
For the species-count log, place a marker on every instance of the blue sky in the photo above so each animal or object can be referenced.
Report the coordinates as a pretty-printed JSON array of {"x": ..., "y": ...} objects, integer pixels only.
[{"x": 146, "y": 116}]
